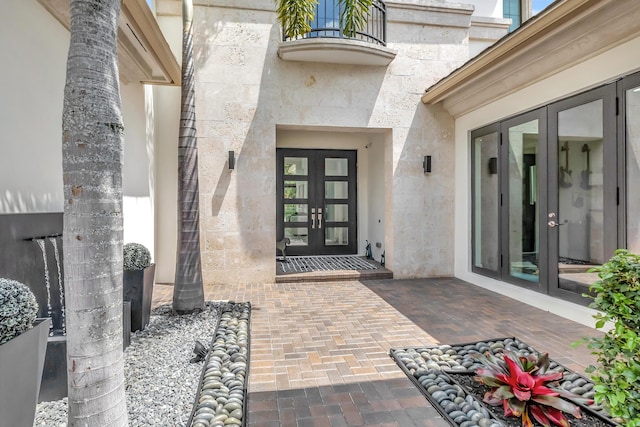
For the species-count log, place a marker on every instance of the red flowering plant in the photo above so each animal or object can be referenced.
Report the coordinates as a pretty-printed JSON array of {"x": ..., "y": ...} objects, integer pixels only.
[{"x": 526, "y": 388}]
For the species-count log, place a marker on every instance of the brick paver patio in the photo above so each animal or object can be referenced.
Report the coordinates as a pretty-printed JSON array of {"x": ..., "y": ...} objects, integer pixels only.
[{"x": 319, "y": 351}]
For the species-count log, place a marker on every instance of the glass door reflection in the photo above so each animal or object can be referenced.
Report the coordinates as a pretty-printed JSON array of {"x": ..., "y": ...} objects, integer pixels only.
[{"x": 522, "y": 207}]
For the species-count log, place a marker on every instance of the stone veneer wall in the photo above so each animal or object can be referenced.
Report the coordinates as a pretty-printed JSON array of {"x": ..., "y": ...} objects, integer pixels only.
[{"x": 245, "y": 92}]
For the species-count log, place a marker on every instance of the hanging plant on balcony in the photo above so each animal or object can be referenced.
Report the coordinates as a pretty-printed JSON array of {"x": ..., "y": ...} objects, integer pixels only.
[
  {"x": 526, "y": 388},
  {"x": 296, "y": 16}
]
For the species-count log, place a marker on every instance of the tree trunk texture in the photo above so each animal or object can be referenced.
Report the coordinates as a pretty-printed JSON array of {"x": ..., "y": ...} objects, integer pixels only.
[
  {"x": 188, "y": 293},
  {"x": 92, "y": 150}
]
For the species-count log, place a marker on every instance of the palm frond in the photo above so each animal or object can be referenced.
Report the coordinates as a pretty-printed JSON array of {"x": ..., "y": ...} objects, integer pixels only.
[
  {"x": 354, "y": 16},
  {"x": 295, "y": 16}
]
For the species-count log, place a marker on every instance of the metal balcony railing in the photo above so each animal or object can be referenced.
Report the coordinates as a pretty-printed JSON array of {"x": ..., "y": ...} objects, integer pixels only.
[{"x": 327, "y": 23}]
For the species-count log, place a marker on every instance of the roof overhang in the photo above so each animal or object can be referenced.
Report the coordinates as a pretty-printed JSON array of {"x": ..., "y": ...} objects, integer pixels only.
[
  {"x": 143, "y": 53},
  {"x": 566, "y": 33}
]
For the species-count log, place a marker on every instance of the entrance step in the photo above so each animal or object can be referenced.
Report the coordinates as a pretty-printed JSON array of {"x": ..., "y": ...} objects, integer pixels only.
[{"x": 329, "y": 269}]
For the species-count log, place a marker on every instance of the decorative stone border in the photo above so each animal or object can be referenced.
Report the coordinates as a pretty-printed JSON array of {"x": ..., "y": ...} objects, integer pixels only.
[
  {"x": 222, "y": 392},
  {"x": 428, "y": 368}
]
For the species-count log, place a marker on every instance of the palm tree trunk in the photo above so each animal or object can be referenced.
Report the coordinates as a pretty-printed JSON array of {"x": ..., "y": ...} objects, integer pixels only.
[
  {"x": 188, "y": 293},
  {"x": 92, "y": 150}
]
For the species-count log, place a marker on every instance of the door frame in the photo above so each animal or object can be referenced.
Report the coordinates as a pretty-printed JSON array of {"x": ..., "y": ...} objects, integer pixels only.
[
  {"x": 316, "y": 223},
  {"x": 610, "y": 179},
  {"x": 541, "y": 115}
]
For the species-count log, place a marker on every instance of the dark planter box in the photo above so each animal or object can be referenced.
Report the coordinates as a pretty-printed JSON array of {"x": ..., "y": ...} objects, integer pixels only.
[
  {"x": 138, "y": 288},
  {"x": 21, "y": 363}
]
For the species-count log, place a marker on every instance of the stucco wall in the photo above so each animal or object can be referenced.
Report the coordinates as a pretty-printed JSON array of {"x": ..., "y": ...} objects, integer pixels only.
[
  {"x": 245, "y": 92},
  {"x": 34, "y": 49}
]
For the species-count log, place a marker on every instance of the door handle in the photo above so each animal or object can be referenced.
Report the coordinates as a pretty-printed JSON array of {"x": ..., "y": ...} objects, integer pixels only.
[
  {"x": 554, "y": 224},
  {"x": 313, "y": 217},
  {"x": 319, "y": 217}
]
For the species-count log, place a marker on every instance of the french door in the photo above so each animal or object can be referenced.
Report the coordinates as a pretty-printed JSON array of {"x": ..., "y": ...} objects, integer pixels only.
[
  {"x": 583, "y": 189},
  {"x": 316, "y": 201},
  {"x": 546, "y": 193}
]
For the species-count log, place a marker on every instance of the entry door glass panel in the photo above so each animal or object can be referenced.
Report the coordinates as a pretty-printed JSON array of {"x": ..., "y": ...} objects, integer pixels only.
[
  {"x": 336, "y": 236},
  {"x": 486, "y": 202},
  {"x": 579, "y": 219},
  {"x": 296, "y": 189},
  {"x": 336, "y": 167},
  {"x": 337, "y": 213},
  {"x": 336, "y": 190},
  {"x": 633, "y": 169},
  {"x": 523, "y": 195}
]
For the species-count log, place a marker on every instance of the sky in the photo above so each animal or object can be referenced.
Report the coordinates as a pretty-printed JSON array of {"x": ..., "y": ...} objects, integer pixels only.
[{"x": 538, "y": 5}]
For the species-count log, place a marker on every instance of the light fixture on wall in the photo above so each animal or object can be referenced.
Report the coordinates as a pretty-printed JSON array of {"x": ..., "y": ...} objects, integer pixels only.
[
  {"x": 232, "y": 160},
  {"x": 426, "y": 164}
]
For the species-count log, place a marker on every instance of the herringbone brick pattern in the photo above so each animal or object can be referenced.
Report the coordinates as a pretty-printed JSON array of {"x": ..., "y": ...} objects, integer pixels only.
[{"x": 319, "y": 351}]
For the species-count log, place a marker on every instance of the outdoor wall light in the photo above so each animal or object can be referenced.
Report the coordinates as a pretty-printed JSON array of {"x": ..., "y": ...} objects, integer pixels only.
[
  {"x": 426, "y": 164},
  {"x": 232, "y": 160}
]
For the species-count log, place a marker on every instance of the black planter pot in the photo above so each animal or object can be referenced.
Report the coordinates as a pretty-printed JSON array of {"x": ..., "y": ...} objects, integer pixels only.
[
  {"x": 21, "y": 363},
  {"x": 138, "y": 288}
]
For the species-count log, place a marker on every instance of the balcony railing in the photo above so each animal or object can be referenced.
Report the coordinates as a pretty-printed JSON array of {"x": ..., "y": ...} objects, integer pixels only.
[{"x": 327, "y": 23}]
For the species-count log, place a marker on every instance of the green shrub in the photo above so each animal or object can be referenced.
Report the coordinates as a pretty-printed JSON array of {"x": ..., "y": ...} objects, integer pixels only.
[
  {"x": 617, "y": 296},
  {"x": 136, "y": 257},
  {"x": 18, "y": 309}
]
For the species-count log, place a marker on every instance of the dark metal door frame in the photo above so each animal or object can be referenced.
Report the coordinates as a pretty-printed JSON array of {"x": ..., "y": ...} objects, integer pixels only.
[{"x": 314, "y": 221}]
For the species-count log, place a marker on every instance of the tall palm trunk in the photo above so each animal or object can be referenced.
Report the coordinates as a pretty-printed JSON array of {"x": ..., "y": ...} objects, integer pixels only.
[
  {"x": 188, "y": 293},
  {"x": 92, "y": 150}
]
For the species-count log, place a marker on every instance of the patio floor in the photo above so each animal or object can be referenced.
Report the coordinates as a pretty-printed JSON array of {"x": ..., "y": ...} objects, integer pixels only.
[{"x": 319, "y": 351}]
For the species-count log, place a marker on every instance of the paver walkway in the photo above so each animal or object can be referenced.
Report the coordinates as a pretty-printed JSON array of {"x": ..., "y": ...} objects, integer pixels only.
[{"x": 319, "y": 351}]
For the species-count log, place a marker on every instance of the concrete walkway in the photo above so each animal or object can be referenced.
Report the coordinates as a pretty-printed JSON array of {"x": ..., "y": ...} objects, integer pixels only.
[{"x": 319, "y": 351}]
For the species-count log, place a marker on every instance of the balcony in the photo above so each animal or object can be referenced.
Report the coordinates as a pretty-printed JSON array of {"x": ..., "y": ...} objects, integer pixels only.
[{"x": 326, "y": 41}]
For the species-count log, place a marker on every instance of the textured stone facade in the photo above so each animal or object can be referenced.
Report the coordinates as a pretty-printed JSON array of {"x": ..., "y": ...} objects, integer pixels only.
[{"x": 246, "y": 95}]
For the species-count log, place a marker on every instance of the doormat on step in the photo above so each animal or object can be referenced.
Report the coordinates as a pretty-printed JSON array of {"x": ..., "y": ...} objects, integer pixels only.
[{"x": 303, "y": 264}]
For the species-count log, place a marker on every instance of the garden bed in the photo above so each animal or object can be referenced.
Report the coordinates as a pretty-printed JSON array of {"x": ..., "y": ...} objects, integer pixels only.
[
  {"x": 444, "y": 376},
  {"x": 221, "y": 396}
]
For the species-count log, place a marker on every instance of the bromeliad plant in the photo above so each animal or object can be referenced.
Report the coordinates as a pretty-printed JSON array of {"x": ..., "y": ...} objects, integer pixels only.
[{"x": 526, "y": 388}]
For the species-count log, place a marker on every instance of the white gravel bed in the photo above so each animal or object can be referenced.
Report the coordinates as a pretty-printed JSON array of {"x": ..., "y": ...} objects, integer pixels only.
[{"x": 161, "y": 384}]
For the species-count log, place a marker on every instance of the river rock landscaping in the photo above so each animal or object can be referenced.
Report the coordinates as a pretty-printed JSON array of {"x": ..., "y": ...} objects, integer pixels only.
[
  {"x": 163, "y": 388},
  {"x": 444, "y": 374}
]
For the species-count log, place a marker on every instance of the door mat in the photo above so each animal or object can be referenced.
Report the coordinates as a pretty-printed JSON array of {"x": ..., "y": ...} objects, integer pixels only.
[{"x": 303, "y": 264}]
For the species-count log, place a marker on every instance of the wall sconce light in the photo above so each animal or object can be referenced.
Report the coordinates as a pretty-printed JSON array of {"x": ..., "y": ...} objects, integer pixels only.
[
  {"x": 493, "y": 165},
  {"x": 232, "y": 160},
  {"x": 426, "y": 164}
]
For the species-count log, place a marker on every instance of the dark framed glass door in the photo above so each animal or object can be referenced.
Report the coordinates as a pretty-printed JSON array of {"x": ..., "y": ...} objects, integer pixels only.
[
  {"x": 524, "y": 145},
  {"x": 317, "y": 203},
  {"x": 582, "y": 191}
]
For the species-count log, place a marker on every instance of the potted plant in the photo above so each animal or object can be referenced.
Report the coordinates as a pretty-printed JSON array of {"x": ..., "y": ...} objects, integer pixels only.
[
  {"x": 138, "y": 277},
  {"x": 23, "y": 344}
]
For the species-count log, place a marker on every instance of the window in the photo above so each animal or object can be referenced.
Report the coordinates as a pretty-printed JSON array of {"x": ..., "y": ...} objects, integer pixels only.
[{"x": 512, "y": 9}]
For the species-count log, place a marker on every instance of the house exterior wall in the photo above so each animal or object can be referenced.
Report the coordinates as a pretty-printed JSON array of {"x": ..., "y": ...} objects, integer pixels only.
[
  {"x": 34, "y": 47},
  {"x": 590, "y": 73},
  {"x": 245, "y": 95}
]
